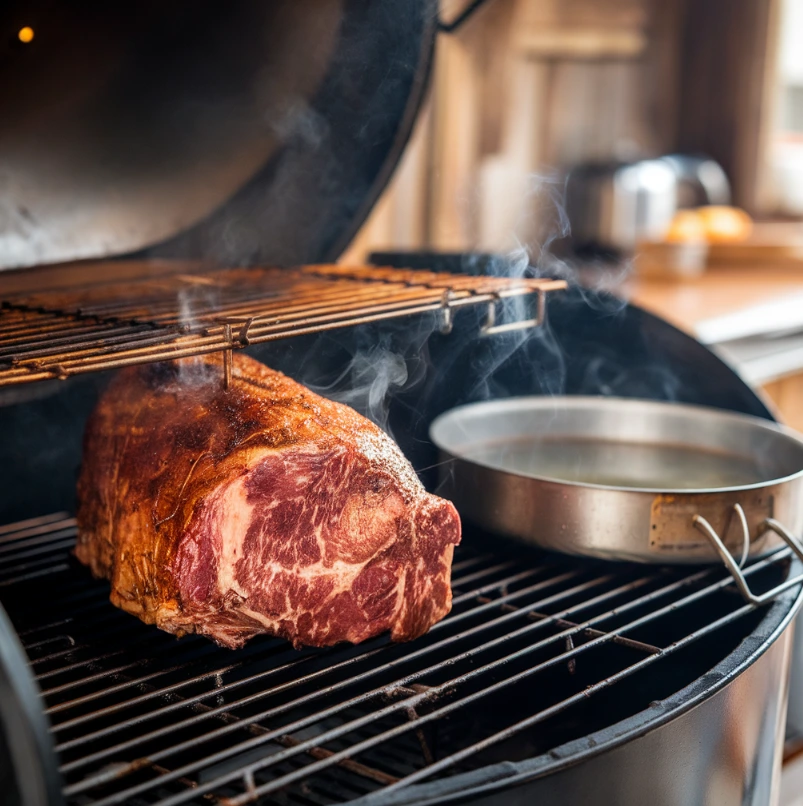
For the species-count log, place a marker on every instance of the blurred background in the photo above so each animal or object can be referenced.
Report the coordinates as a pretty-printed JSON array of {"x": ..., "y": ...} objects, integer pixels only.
[
  {"x": 600, "y": 128},
  {"x": 529, "y": 88}
]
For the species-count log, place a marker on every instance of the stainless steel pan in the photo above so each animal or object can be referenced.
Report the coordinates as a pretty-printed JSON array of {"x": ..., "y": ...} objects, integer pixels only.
[{"x": 625, "y": 479}]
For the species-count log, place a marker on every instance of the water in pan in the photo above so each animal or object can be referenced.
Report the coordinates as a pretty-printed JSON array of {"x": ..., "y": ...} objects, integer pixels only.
[{"x": 620, "y": 464}]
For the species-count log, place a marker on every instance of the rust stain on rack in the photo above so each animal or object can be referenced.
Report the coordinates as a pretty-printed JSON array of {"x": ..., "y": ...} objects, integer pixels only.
[{"x": 57, "y": 334}]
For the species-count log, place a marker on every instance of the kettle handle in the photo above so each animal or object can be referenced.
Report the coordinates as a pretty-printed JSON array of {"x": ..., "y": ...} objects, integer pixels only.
[{"x": 704, "y": 177}]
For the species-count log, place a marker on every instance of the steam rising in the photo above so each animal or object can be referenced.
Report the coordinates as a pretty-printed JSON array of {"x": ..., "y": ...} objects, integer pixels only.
[
  {"x": 387, "y": 362},
  {"x": 541, "y": 231},
  {"x": 369, "y": 381},
  {"x": 548, "y": 237},
  {"x": 382, "y": 363},
  {"x": 193, "y": 371}
]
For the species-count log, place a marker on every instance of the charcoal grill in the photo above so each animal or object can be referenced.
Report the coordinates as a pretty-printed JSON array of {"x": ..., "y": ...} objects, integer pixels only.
[
  {"x": 565, "y": 680},
  {"x": 544, "y": 668}
]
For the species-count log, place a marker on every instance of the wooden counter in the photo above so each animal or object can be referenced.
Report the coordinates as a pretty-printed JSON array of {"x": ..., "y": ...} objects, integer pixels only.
[
  {"x": 742, "y": 306},
  {"x": 724, "y": 303}
]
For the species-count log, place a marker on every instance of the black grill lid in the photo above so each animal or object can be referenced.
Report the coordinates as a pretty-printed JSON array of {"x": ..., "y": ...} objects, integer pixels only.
[{"x": 242, "y": 132}]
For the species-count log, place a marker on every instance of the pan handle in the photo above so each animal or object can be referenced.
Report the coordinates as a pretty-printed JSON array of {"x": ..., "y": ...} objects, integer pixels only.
[{"x": 736, "y": 568}]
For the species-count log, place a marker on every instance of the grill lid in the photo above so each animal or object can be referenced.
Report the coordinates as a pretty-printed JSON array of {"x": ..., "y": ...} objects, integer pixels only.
[{"x": 240, "y": 132}]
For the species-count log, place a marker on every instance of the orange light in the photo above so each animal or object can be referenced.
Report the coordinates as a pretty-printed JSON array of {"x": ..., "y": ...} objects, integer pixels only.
[{"x": 25, "y": 34}]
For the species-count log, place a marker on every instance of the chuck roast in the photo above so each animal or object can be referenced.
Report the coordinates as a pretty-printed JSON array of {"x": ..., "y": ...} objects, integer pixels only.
[{"x": 263, "y": 508}]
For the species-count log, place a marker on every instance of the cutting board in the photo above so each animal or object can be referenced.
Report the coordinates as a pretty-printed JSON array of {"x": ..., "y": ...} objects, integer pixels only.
[{"x": 770, "y": 243}]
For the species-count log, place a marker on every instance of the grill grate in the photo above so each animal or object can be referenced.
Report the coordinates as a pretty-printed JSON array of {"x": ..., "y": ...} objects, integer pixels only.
[
  {"x": 515, "y": 670},
  {"x": 56, "y": 334}
]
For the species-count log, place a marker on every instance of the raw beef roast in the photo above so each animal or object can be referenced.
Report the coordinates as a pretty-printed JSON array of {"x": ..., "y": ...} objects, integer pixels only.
[{"x": 261, "y": 509}]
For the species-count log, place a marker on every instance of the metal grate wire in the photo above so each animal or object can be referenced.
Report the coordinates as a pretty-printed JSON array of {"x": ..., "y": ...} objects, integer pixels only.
[
  {"x": 139, "y": 717},
  {"x": 59, "y": 333}
]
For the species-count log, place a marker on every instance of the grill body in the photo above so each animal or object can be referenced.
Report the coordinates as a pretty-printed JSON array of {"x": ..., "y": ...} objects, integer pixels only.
[
  {"x": 539, "y": 683},
  {"x": 722, "y": 745},
  {"x": 710, "y": 711}
]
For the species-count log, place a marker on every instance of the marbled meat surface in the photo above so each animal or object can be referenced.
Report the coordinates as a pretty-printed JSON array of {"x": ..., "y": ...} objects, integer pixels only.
[{"x": 260, "y": 509}]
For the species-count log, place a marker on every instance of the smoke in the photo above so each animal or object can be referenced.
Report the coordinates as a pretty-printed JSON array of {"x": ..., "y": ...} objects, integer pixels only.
[
  {"x": 383, "y": 365},
  {"x": 192, "y": 299},
  {"x": 372, "y": 376},
  {"x": 376, "y": 365},
  {"x": 604, "y": 376},
  {"x": 548, "y": 193},
  {"x": 533, "y": 359},
  {"x": 490, "y": 353},
  {"x": 297, "y": 119},
  {"x": 602, "y": 283},
  {"x": 401, "y": 373}
]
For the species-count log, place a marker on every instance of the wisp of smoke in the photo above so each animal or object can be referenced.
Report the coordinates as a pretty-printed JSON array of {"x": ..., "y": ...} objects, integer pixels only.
[
  {"x": 369, "y": 381},
  {"x": 541, "y": 235},
  {"x": 595, "y": 281},
  {"x": 495, "y": 351},
  {"x": 383, "y": 362},
  {"x": 604, "y": 376},
  {"x": 192, "y": 371}
]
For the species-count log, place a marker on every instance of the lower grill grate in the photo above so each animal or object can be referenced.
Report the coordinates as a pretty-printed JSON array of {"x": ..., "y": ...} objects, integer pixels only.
[{"x": 537, "y": 651}]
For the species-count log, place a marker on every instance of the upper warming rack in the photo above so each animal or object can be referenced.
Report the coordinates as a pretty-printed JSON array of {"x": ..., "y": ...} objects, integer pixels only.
[{"x": 59, "y": 333}]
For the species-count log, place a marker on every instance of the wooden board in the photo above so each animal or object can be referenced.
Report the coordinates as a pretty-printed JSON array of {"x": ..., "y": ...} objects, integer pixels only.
[
  {"x": 770, "y": 243},
  {"x": 718, "y": 304},
  {"x": 787, "y": 395}
]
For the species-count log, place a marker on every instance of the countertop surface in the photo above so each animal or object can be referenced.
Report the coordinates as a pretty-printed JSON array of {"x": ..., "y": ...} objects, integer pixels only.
[
  {"x": 724, "y": 304},
  {"x": 751, "y": 316}
]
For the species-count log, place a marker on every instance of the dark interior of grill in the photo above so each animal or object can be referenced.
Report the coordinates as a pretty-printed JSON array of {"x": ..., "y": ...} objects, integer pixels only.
[
  {"x": 537, "y": 652},
  {"x": 583, "y": 349}
]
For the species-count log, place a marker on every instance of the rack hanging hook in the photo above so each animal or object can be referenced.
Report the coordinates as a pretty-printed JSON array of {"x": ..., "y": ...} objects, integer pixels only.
[
  {"x": 490, "y": 316},
  {"x": 447, "y": 316},
  {"x": 490, "y": 328},
  {"x": 242, "y": 336},
  {"x": 227, "y": 355}
]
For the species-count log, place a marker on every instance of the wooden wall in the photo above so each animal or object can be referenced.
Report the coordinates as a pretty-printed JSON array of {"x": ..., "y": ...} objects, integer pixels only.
[
  {"x": 727, "y": 90},
  {"x": 524, "y": 89},
  {"x": 787, "y": 395},
  {"x": 528, "y": 87}
]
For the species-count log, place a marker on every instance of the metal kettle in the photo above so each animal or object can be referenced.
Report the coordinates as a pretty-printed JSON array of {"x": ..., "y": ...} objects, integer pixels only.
[{"x": 612, "y": 206}]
